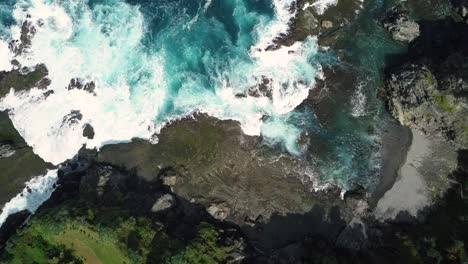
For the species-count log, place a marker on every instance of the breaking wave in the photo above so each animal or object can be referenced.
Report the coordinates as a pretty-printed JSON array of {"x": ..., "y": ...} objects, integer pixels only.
[{"x": 147, "y": 63}]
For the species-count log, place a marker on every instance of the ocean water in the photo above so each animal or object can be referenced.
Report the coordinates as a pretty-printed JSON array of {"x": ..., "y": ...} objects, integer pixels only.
[
  {"x": 38, "y": 190},
  {"x": 153, "y": 62}
]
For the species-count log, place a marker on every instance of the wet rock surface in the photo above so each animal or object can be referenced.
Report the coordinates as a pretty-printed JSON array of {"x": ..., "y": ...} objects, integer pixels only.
[
  {"x": 327, "y": 26},
  {"x": 18, "y": 163},
  {"x": 80, "y": 84},
  {"x": 429, "y": 92},
  {"x": 88, "y": 131},
  {"x": 23, "y": 80},
  {"x": 9, "y": 228},
  {"x": 398, "y": 22},
  {"x": 208, "y": 170}
]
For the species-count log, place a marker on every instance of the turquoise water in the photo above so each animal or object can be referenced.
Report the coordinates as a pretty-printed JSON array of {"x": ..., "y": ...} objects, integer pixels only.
[
  {"x": 156, "y": 61},
  {"x": 153, "y": 62}
]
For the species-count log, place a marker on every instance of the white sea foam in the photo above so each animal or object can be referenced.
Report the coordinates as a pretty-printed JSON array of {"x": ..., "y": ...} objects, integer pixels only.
[
  {"x": 267, "y": 32},
  {"x": 40, "y": 190},
  {"x": 358, "y": 101},
  {"x": 115, "y": 114},
  {"x": 320, "y": 6},
  {"x": 103, "y": 45},
  {"x": 5, "y": 57}
]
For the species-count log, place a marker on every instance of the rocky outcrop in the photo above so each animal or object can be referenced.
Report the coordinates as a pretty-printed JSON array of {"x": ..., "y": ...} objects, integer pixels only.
[
  {"x": 88, "y": 131},
  {"x": 430, "y": 91},
  {"x": 73, "y": 118},
  {"x": 79, "y": 84},
  {"x": 400, "y": 25},
  {"x": 18, "y": 163},
  {"x": 23, "y": 79},
  {"x": 11, "y": 224}
]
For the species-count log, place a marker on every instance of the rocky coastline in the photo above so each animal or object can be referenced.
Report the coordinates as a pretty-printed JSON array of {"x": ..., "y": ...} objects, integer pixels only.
[{"x": 258, "y": 198}]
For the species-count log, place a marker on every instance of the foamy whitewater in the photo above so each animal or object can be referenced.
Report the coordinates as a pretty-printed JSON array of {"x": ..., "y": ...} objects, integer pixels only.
[
  {"x": 320, "y": 6},
  {"x": 150, "y": 69},
  {"x": 40, "y": 190}
]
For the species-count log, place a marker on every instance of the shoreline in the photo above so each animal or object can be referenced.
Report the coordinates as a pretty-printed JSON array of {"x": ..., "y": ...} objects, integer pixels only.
[{"x": 396, "y": 143}]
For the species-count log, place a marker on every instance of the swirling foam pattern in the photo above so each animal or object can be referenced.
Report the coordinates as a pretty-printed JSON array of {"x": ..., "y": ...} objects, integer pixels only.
[{"x": 153, "y": 62}]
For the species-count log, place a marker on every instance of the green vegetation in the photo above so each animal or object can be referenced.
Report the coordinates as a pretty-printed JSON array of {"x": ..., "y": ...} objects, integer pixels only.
[
  {"x": 445, "y": 102},
  {"x": 202, "y": 249},
  {"x": 74, "y": 235},
  {"x": 431, "y": 80}
]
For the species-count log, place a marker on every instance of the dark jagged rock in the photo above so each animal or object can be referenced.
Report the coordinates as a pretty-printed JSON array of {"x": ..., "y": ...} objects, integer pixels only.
[
  {"x": 430, "y": 91},
  {"x": 327, "y": 26},
  {"x": 28, "y": 31},
  {"x": 263, "y": 89},
  {"x": 398, "y": 22},
  {"x": 18, "y": 163},
  {"x": 73, "y": 118},
  {"x": 11, "y": 224},
  {"x": 79, "y": 84},
  {"x": 23, "y": 80},
  {"x": 88, "y": 131}
]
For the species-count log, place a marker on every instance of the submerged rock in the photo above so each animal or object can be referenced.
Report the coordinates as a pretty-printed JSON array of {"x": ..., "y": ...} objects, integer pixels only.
[
  {"x": 73, "y": 118},
  {"x": 79, "y": 84},
  {"x": 400, "y": 25}
]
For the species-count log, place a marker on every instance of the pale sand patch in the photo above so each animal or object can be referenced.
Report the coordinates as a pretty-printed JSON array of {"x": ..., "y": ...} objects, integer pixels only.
[{"x": 422, "y": 178}]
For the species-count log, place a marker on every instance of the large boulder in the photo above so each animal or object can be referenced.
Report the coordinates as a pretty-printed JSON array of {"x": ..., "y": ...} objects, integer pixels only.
[
  {"x": 400, "y": 25},
  {"x": 431, "y": 104},
  {"x": 88, "y": 131},
  {"x": 164, "y": 202}
]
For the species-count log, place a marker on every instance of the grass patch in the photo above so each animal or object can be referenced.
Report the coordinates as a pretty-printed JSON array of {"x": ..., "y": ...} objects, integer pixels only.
[
  {"x": 69, "y": 236},
  {"x": 91, "y": 246}
]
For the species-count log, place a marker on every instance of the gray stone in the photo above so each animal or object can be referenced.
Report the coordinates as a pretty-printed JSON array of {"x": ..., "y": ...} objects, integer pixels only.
[
  {"x": 400, "y": 25},
  {"x": 219, "y": 211},
  {"x": 165, "y": 202},
  {"x": 88, "y": 131},
  {"x": 428, "y": 103},
  {"x": 327, "y": 24}
]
